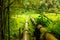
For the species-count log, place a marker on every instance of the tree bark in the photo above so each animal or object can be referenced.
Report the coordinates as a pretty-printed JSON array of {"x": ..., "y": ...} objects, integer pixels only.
[{"x": 2, "y": 20}]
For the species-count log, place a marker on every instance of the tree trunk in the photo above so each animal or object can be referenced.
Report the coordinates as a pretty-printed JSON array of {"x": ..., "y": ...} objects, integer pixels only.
[{"x": 2, "y": 20}]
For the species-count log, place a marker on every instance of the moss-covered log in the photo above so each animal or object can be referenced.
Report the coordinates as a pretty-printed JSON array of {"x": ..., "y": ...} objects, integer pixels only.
[{"x": 45, "y": 35}]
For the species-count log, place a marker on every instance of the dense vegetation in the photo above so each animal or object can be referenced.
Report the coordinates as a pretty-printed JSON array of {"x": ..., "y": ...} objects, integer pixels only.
[{"x": 45, "y": 12}]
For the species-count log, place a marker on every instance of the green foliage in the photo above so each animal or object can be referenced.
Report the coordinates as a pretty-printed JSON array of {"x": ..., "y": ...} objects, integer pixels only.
[
  {"x": 18, "y": 20},
  {"x": 43, "y": 20},
  {"x": 53, "y": 27},
  {"x": 20, "y": 9},
  {"x": 56, "y": 28}
]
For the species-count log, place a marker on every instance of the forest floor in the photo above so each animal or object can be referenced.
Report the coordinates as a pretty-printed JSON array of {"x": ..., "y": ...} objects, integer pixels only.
[{"x": 21, "y": 19}]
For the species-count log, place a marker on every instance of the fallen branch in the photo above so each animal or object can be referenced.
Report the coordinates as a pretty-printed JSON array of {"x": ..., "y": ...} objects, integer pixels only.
[{"x": 45, "y": 35}]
